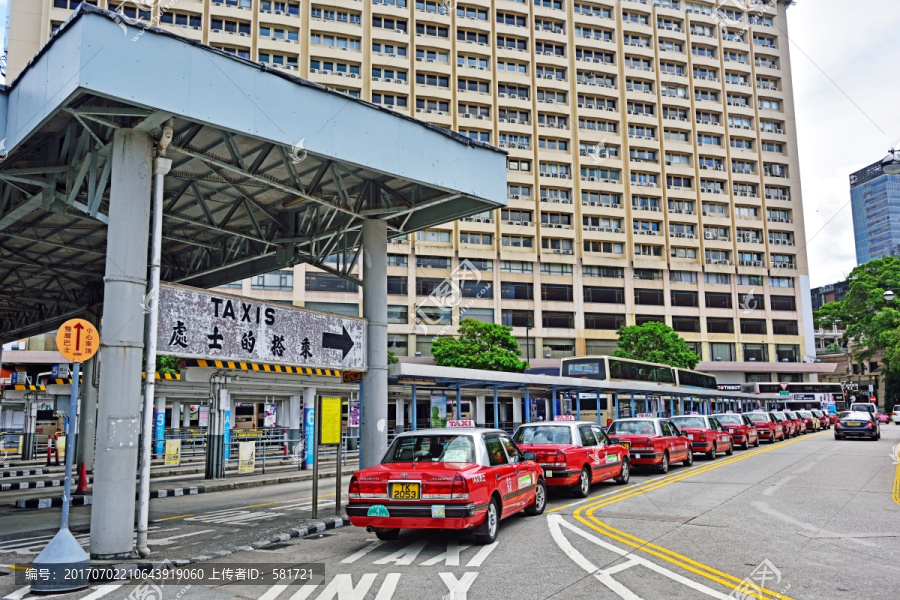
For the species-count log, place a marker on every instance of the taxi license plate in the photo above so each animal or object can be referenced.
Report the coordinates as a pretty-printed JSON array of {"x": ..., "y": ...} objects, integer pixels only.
[
  {"x": 405, "y": 491},
  {"x": 627, "y": 445},
  {"x": 853, "y": 423},
  {"x": 690, "y": 437}
]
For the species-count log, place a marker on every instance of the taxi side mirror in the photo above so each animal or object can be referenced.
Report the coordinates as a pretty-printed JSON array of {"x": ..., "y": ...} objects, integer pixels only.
[
  {"x": 529, "y": 456},
  {"x": 613, "y": 440}
]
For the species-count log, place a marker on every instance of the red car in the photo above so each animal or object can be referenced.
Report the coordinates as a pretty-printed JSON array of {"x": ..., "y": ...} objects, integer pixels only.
[
  {"x": 791, "y": 428},
  {"x": 706, "y": 434},
  {"x": 652, "y": 442},
  {"x": 824, "y": 421},
  {"x": 574, "y": 454},
  {"x": 801, "y": 422},
  {"x": 742, "y": 429},
  {"x": 883, "y": 417},
  {"x": 767, "y": 426},
  {"x": 450, "y": 478}
]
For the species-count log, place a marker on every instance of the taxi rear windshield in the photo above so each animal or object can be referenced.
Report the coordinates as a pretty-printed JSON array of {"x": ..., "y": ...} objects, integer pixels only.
[
  {"x": 431, "y": 449},
  {"x": 689, "y": 422},
  {"x": 758, "y": 417},
  {"x": 730, "y": 419},
  {"x": 638, "y": 427},
  {"x": 544, "y": 434}
]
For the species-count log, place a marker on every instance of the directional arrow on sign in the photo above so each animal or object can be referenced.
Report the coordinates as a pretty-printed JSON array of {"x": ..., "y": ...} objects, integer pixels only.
[
  {"x": 335, "y": 341},
  {"x": 78, "y": 328}
]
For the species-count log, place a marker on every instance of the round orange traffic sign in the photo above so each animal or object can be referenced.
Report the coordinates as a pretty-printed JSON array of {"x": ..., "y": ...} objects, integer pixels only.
[{"x": 77, "y": 340}]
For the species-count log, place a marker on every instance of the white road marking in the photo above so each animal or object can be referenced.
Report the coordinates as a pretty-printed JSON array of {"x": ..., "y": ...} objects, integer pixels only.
[
  {"x": 405, "y": 555},
  {"x": 304, "y": 592},
  {"x": 274, "y": 591},
  {"x": 388, "y": 587},
  {"x": 360, "y": 553},
  {"x": 482, "y": 555},
  {"x": 102, "y": 591},
  {"x": 774, "y": 488},
  {"x": 459, "y": 588},
  {"x": 18, "y": 593},
  {"x": 342, "y": 587},
  {"x": 233, "y": 517},
  {"x": 556, "y": 522},
  {"x": 168, "y": 540},
  {"x": 450, "y": 557},
  {"x": 768, "y": 510}
]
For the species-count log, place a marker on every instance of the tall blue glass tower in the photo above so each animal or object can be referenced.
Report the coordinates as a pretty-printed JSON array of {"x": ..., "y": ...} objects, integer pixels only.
[{"x": 875, "y": 201}]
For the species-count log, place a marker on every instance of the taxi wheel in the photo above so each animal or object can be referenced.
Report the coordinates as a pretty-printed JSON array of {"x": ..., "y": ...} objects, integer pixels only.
[
  {"x": 583, "y": 487},
  {"x": 664, "y": 465},
  {"x": 730, "y": 450},
  {"x": 711, "y": 455},
  {"x": 540, "y": 500},
  {"x": 625, "y": 474},
  {"x": 687, "y": 462},
  {"x": 486, "y": 533},
  {"x": 756, "y": 443},
  {"x": 386, "y": 534},
  {"x": 746, "y": 445}
]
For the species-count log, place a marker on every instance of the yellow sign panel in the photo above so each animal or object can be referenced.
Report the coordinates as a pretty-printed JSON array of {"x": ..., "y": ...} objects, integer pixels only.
[
  {"x": 330, "y": 427},
  {"x": 77, "y": 340},
  {"x": 246, "y": 457},
  {"x": 173, "y": 453},
  {"x": 353, "y": 376}
]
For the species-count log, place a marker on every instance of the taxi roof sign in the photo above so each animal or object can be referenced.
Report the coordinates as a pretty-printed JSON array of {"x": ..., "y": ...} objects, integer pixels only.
[
  {"x": 563, "y": 418},
  {"x": 78, "y": 340},
  {"x": 462, "y": 423}
]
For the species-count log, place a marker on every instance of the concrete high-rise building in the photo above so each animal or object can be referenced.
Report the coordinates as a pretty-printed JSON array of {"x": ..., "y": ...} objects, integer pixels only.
[
  {"x": 653, "y": 172},
  {"x": 875, "y": 202}
]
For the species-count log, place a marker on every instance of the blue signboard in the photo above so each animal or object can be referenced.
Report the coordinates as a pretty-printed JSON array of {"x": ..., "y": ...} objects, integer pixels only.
[
  {"x": 14, "y": 377},
  {"x": 227, "y": 434},
  {"x": 309, "y": 427},
  {"x": 159, "y": 432}
]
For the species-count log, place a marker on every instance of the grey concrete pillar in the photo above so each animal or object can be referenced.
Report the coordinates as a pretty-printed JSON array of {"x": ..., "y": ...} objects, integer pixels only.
[
  {"x": 294, "y": 408},
  {"x": 215, "y": 433},
  {"x": 399, "y": 421},
  {"x": 186, "y": 415},
  {"x": 122, "y": 345},
  {"x": 309, "y": 425},
  {"x": 516, "y": 412},
  {"x": 480, "y": 416},
  {"x": 373, "y": 403},
  {"x": 175, "y": 416},
  {"x": 28, "y": 428},
  {"x": 87, "y": 417}
]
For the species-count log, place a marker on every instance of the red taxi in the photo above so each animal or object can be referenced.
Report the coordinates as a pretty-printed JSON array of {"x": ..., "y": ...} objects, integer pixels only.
[
  {"x": 767, "y": 426},
  {"x": 706, "y": 434},
  {"x": 652, "y": 442},
  {"x": 800, "y": 421},
  {"x": 451, "y": 478},
  {"x": 574, "y": 454},
  {"x": 742, "y": 429},
  {"x": 791, "y": 428}
]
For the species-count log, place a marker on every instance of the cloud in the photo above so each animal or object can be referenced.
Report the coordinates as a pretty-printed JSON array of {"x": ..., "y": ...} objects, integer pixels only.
[{"x": 842, "y": 60}]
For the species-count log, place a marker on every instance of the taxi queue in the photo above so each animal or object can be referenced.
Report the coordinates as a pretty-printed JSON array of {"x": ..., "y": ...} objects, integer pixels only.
[{"x": 467, "y": 478}]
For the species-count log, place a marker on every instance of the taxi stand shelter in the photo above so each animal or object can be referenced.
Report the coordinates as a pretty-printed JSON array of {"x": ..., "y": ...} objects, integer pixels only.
[
  {"x": 525, "y": 386},
  {"x": 267, "y": 170}
]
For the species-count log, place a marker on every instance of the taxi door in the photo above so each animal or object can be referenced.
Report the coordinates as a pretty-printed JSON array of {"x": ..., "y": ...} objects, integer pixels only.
[
  {"x": 674, "y": 442},
  {"x": 591, "y": 454},
  {"x": 502, "y": 473},
  {"x": 612, "y": 460},
  {"x": 524, "y": 480}
]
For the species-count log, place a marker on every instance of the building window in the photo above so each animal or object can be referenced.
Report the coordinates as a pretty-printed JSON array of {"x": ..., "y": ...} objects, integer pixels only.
[
  {"x": 680, "y": 298},
  {"x": 683, "y": 276},
  {"x": 279, "y": 280},
  {"x": 717, "y": 300},
  {"x": 753, "y": 326},
  {"x": 600, "y": 347},
  {"x": 434, "y": 236},
  {"x": 604, "y": 295},
  {"x": 434, "y": 315},
  {"x": 516, "y": 266},
  {"x": 432, "y": 262},
  {"x": 476, "y": 264},
  {"x": 787, "y": 353},
  {"x": 686, "y": 324},
  {"x": 564, "y": 320},
  {"x": 340, "y": 308},
  {"x": 398, "y": 343},
  {"x": 556, "y": 292},
  {"x": 597, "y": 271},
  {"x": 485, "y": 315},
  {"x": 719, "y": 351},
  {"x": 790, "y": 377},
  {"x": 759, "y": 378},
  {"x": 756, "y": 352},
  {"x": 717, "y": 278},
  {"x": 648, "y": 274},
  {"x": 714, "y": 325},
  {"x": 397, "y": 285},
  {"x": 397, "y": 315},
  {"x": 781, "y": 282},
  {"x": 326, "y": 282},
  {"x": 481, "y": 239},
  {"x": 556, "y": 269},
  {"x": 397, "y": 260},
  {"x": 603, "y": 321},
  {"x": 517, "y": 318},
  {"x": 559, "y": 348},
  {"x": 784, "y": 327},
  {"x": 642, "y": 319},
  {"x": 425, "y": 286},
  {"x": 783, "y": 303},
  {"x": 510, "y": 290},
  {"x": 649, "y": 297},
  {"x": 477, "y": 289}
]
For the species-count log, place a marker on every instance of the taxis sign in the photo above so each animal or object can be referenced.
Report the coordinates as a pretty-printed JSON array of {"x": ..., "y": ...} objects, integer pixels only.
[{"x": 461, "y": 423}]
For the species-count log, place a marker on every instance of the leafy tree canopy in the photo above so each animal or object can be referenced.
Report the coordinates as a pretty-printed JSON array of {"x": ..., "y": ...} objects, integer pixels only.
[
  {"x": 485, "y": 346},
  {"x": 655, "y": 342}
]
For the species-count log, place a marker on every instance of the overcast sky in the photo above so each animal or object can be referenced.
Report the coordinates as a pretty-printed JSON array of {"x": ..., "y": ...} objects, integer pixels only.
[{"x": 845, "y": 89}]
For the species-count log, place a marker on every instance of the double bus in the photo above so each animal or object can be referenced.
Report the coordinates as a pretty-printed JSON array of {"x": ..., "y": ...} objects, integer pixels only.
[
  {"x": 613, "y": 368},
  {"x": 828, "y": 397}
]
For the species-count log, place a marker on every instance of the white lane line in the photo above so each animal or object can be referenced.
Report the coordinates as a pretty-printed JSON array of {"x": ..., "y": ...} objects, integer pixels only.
[
  {"x": 768, "y": 510},
  {"x": 482, "y": 555},
  {"x": 18, "y": 593},
  {"x": 360, "y": 553},
  {"x": 388, "y": 587},
  {"x": 556, "y": 522},
  {"x": 274, "y": 591},
  {"x": 620, "y": 567},
  {"x": 168, "y": 540},
  {"x": 304, "y": 592},
  {"x": 774, "y": 488},
  {"x": 102, "y": 591}
]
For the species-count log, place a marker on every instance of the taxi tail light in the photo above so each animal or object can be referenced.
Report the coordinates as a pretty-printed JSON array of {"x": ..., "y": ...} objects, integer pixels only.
[
  {"x": 701, "y": 437},
  {"x": 353, "y": 491},
  {"x": 368, "y": 488},
  {"x": 460, "y": 489},
  {"x": 559, "y": 457}
]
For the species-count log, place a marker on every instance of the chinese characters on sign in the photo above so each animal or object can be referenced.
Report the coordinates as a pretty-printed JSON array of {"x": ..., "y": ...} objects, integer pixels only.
[
  {"x": 201, "y": 324},
  {"x": 77, "y": 340}
]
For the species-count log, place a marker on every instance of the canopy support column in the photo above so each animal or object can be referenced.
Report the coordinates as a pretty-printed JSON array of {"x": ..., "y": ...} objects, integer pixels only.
[{"x": 374, "y": 404}]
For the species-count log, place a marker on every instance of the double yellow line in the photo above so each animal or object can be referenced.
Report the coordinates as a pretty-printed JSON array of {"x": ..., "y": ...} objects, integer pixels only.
[{"x": 586, "y": 516}]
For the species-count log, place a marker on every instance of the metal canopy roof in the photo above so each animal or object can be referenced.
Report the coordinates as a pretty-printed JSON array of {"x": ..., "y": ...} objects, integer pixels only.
[
  {"x": 268, "y": 170},
  {"x": 449, "y": 377}
]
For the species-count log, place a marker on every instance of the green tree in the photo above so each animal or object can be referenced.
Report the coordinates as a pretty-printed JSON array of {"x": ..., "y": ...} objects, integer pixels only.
[
  {"x": 655, "y": 342},
  {"x": 392, "y": 358},
  {"x": 485, "y": 346},
  {"x": 167, "y": 365}
]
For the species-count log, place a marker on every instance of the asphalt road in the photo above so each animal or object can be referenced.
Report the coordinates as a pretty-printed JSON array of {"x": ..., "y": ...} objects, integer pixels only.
[{"x": 810, "y": 518}]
